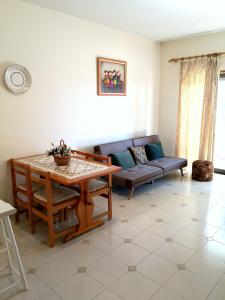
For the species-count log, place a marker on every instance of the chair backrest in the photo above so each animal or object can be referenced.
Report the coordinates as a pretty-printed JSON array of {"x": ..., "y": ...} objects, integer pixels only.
[
  {"x": 105, "y": 160},
  {"x": 19, "y": 174},
  {"x": 43, "y": 179},
  {"x": 100, "y": 159}
]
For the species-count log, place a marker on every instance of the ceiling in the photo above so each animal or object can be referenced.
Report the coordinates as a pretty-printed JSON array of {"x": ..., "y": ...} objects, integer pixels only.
[{"x": 157, "y": 19}]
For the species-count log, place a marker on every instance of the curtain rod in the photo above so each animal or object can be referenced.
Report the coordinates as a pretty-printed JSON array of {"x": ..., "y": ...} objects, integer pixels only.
[{"x": 196, "y": 56}]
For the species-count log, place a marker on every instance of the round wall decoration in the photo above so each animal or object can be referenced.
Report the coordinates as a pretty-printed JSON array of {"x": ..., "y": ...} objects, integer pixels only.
[{"x": 17, "y": 79}]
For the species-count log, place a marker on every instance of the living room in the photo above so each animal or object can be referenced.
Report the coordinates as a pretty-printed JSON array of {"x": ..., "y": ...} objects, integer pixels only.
[{"x": 59, "y": 43}]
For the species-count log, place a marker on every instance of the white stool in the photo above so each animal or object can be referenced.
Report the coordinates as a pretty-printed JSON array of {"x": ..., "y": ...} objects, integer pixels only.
[{"x": 8, "y": 241}]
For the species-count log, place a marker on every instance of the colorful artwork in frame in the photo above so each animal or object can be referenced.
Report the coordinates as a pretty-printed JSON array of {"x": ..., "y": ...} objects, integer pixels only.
[{"x": 111, "y": 76}]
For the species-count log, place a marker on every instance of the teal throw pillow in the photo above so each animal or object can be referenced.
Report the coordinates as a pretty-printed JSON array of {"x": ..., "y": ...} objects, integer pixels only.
[
  {"x": 154, "y": 151},
  {"x": 123, "y": 159}
]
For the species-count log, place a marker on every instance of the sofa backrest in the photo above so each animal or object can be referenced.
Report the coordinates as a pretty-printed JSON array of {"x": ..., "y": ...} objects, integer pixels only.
[
  {"x": 150, "y": 139},
  {"x": 109, "y": 148},
  {"x": 114, "y": 147}
]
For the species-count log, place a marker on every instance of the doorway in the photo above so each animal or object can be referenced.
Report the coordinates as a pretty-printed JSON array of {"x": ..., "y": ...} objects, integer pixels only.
[{"x": 219, "y": 149}]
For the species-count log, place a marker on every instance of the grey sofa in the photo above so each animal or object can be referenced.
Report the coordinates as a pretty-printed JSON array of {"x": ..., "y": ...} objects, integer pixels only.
[{"x": 140, "y": 174}]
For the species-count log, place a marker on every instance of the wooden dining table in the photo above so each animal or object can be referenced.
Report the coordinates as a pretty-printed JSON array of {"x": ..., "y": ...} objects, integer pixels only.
[{"x": 79, "y": 171}]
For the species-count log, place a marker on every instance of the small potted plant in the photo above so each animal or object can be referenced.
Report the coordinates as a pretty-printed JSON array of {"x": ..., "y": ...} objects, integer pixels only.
[{"x": 60, "y": 153}]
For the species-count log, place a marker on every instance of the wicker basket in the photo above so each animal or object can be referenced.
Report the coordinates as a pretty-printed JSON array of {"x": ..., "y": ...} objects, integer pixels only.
[{"x": 62, "y": 160}]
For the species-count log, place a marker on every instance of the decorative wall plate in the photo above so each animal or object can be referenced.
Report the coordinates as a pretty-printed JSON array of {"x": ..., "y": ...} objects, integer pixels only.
[{"x": 17, "y": 79}]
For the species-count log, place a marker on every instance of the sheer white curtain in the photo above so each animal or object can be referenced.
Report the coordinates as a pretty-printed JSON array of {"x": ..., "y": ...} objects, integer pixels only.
[{"x": 197, "y": 108}]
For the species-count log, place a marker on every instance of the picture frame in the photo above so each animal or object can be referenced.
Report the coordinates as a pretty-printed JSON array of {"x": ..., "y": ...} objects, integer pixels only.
[{"x": 111, "y": 77}]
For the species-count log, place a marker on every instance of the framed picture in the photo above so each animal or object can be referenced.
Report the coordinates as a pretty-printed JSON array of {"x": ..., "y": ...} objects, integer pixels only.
[{"x": 111, "y": 77}]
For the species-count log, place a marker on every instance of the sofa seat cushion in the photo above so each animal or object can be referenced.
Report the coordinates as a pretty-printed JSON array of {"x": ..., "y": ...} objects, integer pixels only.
[
  {"x": 168, "y": 163},
  {"x": 136, "y": 174}
]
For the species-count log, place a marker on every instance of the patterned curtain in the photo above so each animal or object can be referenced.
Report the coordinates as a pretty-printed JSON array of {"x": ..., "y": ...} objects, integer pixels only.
[{"x": 197, "y": 108}]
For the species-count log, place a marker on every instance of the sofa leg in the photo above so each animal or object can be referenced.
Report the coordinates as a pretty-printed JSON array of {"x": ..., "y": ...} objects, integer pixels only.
[
  {"x": 150, "y": 182},
  {"x": 181, "y": 170},
  {"x": 131, "y": 190}
]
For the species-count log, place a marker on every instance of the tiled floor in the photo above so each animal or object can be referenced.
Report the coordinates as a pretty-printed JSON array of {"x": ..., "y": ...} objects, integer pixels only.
[{"x": 167, "y": 243}]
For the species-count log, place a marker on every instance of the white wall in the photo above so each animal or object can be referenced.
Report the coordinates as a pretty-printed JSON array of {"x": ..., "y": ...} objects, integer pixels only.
[
  {"x": 60, "y": 52},
  {"x": 169, "y": 81}
]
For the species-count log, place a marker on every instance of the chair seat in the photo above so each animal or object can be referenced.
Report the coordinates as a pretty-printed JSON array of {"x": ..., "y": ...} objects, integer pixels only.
[
  {"x": 94, "y": 185},
  {"x": 59, "y": 194},
  {"x": 35, "y": 187}
]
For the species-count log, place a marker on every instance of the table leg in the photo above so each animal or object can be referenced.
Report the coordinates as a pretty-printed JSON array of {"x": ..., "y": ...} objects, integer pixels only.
[{"x": 84, "y": 212}]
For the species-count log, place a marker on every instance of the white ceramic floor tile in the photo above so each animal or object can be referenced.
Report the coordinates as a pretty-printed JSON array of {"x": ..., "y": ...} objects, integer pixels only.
[
  {"x": 139, "y": 203},
  {"x": 171, "y": 217},
  {"x": 80, "y": 286},
  {"x": 56, "y": 271},
  {"x": 190, "y": 286},
  {"x": 157, "y": 268},
  {"x": 36, "y": 289},
  {"x": 222, "y": 281},
  {"x": 186, "y": 208},
  {"x": 126, "y": 230},
  {"x": 177, "y": 220},
  {"x": 3, "y": 258},
  {"x": 165, "y": 294},
  {"x": 83, "y": 254},
  {"x": 107, "y": 295},
  {"x": 48, "y": 296},
  {"x": 148, "y": 240},
  {"x": 35, "y": 255},
  {"x": 155, "y": 212},
  {"x": 217, "y": 294},
  {"x": 107, "y": 270},
  {"x": 220, "y": 236},
  {"x": 163, "y": 229},
  {"x": 202, "y": 228},
  {"x": 206, "y": 266},
  {"x": 214, "y": 216},
  {"x": 7, "y": 279},
  {"x": 143, "y": 221},
  {"x": 133, "y": 286},
  {"x": 124, "y": 212},
  {"x": 129, "y": 254},
  {"x": 215, "y": 250},
  {"x": 106, "y": 241},
  {"x": 174, "y": 253},
  {"x": 189, "y": 239}
]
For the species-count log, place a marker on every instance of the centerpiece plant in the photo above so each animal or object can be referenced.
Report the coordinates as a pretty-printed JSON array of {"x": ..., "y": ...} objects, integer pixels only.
[{"x": 61, "y": 153}]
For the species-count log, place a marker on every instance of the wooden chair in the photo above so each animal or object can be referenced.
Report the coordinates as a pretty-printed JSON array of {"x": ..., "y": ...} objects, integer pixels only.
[
  {"x": 21, "y": 197},
  {"x": 98, "y": 187},
  {"x": 48, "y": 201}
]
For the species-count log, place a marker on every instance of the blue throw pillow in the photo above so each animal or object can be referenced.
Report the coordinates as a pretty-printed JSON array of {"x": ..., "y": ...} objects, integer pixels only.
[
  {"x": 154, "y": 151},
  {"x": 123, "y": 159}
]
